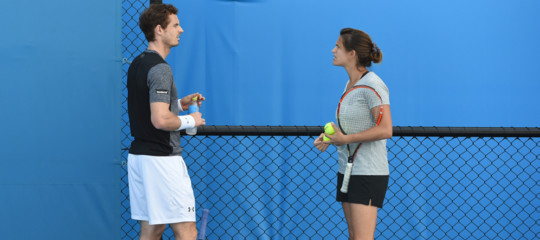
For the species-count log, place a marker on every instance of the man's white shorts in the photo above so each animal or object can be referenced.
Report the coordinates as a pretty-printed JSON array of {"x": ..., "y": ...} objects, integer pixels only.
[{"x": 160, "y": 189}]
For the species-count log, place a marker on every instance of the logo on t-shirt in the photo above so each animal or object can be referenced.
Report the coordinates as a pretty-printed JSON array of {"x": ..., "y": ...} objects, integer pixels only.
[{"x": 162, "y": 91}]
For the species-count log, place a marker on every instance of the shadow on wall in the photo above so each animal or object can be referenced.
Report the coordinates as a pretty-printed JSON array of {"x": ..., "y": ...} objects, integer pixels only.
[
  {"x": 161, "y": 1},
  {"x": 241, "y": 0}
]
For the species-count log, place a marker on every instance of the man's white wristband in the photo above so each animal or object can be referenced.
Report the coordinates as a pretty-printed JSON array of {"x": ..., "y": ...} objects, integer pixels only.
[{"x": 187, "y": 121}]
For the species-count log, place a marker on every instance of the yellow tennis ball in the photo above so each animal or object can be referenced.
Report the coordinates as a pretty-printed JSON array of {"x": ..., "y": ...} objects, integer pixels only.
[{"x": 328, "y": 129}]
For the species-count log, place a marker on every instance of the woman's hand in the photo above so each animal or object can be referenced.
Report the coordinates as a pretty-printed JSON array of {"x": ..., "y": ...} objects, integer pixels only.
[
  {"x": 319, "y": 144},
  {"x": 338, "y": 138}
]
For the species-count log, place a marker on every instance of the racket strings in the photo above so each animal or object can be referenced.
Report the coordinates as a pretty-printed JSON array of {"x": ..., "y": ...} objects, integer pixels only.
[{"x": 349, "y": 116}]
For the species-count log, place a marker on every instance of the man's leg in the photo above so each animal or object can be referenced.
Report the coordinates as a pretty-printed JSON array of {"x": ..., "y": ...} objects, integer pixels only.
[
  {"x": 184, "y": 230},
  {"x": 151, "y": 232}
]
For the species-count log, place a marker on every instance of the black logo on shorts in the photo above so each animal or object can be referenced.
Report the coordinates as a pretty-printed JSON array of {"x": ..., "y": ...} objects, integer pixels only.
[{"x": 191, "y": 209}]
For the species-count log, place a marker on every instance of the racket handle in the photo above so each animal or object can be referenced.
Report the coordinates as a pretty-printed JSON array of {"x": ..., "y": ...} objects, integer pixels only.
[
  {"x": 346, "y": 178},
  {"x": 204, "y": 221}
]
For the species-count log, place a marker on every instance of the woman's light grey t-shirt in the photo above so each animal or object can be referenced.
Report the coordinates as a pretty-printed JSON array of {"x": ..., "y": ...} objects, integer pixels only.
[{"x": 355, "y": 116}]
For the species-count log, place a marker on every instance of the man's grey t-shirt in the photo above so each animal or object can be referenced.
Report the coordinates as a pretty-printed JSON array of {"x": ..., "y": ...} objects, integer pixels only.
[{"x": 163, "y": 89}]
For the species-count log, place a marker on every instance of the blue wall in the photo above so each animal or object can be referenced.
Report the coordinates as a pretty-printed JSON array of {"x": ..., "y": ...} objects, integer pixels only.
[
  {"x": 458, "y": 63},
  {"x": 259, "y": 62},
  {"x": 61, "y": 107}
]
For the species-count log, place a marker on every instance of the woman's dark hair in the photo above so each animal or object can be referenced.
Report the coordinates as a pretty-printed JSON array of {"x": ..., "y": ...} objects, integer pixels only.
[
  {"x": 359, "y": 41},
  {"x": 156, "y": 14}
]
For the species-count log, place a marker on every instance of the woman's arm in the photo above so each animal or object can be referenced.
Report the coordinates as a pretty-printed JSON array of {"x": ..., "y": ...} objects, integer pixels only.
[{"x": 378, "y": 132}]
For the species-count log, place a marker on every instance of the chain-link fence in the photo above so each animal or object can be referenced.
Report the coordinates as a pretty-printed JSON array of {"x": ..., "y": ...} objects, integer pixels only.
[
  {"x": 270, "y": 183},
  {"x": 445, "y": 183},
  {"x": 133, "y": 42}
]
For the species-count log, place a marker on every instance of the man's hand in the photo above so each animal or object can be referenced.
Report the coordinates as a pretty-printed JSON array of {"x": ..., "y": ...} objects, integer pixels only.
[
  {"x": 185, "y": 101},
  {"x": 199, "y": 121}
]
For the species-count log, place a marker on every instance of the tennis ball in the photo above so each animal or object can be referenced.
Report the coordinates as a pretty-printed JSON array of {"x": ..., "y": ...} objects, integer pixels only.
[{"x": 328, "y": 129}]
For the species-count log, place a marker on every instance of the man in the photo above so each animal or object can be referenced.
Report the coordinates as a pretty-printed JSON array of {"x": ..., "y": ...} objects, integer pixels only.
[{"x": 159, "y": 185}]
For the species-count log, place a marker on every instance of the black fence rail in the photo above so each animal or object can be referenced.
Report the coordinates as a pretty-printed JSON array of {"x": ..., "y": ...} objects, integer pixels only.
[
  {"x": 397, "y": 131},
  {"x": 269, "y": 182}
]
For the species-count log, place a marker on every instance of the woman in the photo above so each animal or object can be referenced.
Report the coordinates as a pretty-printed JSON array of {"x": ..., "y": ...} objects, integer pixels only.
[{"x": 361, "y": 134}]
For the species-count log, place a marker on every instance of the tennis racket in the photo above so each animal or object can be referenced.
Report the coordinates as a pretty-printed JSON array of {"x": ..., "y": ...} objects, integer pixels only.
[{"x": 350, "y": 159}]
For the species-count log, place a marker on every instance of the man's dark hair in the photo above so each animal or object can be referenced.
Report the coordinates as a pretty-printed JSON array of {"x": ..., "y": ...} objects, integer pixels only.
[{"x": 156, "y": 14}]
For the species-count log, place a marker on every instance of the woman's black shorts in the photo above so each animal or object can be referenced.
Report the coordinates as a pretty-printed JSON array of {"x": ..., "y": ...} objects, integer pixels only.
[{"x": 363, "y": 190}]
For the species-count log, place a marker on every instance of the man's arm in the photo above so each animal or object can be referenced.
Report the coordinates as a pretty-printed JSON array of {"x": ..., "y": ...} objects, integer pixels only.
[{"x": 163, "y": 119}]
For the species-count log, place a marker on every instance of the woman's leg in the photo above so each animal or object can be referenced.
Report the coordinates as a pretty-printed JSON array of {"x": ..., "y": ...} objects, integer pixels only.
[
  {"x": 363, "y": 219},
  {"x": 347, "y": 212}
]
